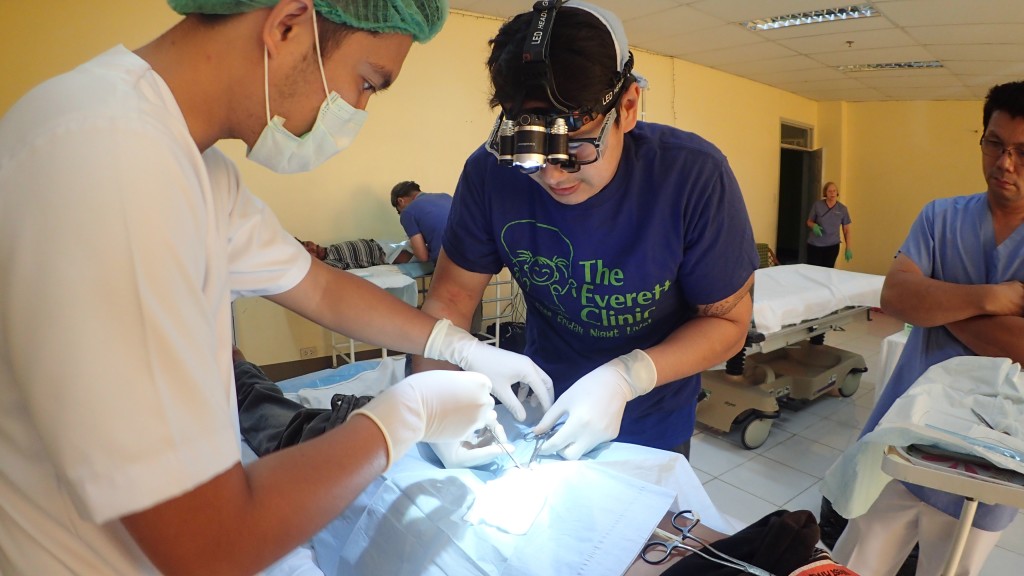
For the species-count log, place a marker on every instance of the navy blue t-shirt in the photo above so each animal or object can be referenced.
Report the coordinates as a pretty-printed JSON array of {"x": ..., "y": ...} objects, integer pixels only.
[
  {"x": 427, "y": 214},
  {"x": 617, "y": 272}
]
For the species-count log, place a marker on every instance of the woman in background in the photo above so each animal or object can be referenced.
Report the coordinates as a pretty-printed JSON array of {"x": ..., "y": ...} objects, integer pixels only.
[{"x": 827, "y": 216}]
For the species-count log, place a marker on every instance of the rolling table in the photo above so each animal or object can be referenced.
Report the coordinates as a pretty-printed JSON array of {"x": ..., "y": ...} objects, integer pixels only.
[{"x": 973, "y": 488}]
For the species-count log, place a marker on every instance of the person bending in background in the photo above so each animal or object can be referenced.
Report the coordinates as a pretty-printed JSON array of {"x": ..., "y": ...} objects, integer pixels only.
[
  {"x": 959, "y": 279},
  {"x": 134, "y": 466},
  {"x": 635, "y": 262},
  {"x": 350, "y": 254},
  {"x": 423, "y": 216},
  {"x": 828, "y": 215}
]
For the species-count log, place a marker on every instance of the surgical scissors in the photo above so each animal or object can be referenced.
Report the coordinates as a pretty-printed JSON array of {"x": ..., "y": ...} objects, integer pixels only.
[{"x": 657, "y": 551}]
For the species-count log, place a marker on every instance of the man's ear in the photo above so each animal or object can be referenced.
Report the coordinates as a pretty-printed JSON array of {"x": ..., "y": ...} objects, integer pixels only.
[
  {"x": 629, "y": 107},
  {"x": 284, "y": 23}
]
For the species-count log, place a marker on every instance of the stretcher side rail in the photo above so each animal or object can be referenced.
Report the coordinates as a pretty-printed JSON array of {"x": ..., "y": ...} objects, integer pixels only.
[{"x": 807, "y": 329}]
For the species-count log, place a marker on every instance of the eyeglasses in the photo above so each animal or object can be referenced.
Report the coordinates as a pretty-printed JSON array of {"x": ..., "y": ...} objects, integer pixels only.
[
  {"x": 995, "y": 149},
  {"x": 588, "y": 150}
]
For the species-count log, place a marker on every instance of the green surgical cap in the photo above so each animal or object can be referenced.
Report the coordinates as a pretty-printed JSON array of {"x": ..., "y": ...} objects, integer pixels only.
[{"x": 421, "y": 19}]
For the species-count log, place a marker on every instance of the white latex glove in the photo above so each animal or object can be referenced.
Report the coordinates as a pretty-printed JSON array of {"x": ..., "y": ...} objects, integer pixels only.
[
  {"x": 464, "y": 454},
  {"x": 453, "y": 344},
  {"x": 434, "y": 406},
  {"x": 595, "y": 404}
]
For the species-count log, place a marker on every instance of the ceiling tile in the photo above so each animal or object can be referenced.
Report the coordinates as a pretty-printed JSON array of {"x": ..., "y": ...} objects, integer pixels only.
[
  {"x": 866, "y": 39},
  {"x": 880, "y": 82},
  {"x": 503, "y": 10},
  {"x": 717, "y": 38},
  {"x": 873, "y": 56},
  {"x": 628, "y": 10},
  {"x": 969, "y": 34},
  {"x": 935, "y": 12},
  {"x": 910, "y": 93},
  {"x": 795, "y": 76},
  {"x": 750, "y": 52},
  {"x": 987, "y": 52},
  {"x": 978, "y": 67},
  {"x": 678, "y": 20},
  {"x": 980, "y": 43}
]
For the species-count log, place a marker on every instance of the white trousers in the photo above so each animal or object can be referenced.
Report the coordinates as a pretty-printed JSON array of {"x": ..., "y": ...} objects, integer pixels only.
[{"x": 877, "y": 543}]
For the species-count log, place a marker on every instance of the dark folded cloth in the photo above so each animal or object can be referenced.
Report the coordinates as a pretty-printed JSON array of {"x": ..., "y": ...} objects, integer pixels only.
[
  {"x": 269, "y": 421},
  {"x": 780, "y": 543}
]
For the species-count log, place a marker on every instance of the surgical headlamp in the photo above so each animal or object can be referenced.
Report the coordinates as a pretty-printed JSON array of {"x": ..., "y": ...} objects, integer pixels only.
[{"x": 530, "y": 140}]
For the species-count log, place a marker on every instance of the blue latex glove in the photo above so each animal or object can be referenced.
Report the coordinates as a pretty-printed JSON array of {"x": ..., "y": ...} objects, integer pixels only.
[
  {"x": 817, "y": 230},
  {"x": 849, "y": 254}
]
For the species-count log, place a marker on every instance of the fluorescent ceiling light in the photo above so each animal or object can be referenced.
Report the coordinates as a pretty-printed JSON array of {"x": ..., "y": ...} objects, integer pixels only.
[
  {"x": 812, "y": 17},
  {"x": 890, "y": 66}
]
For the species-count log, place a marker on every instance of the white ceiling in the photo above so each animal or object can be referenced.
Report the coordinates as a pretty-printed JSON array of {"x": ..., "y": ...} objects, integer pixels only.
[{"x": 979, "y": 42}]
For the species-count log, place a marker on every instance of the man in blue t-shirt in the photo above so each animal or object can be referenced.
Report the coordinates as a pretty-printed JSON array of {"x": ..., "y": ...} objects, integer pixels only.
[
  {"x": 632, "y": 245},
  {"x": 423, "y": 217},
  {"x": 959, "y": 279}
]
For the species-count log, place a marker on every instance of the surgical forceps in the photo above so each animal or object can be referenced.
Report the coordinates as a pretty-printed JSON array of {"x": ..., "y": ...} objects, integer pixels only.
[
  {"x": 501, "y": 445},
  {"x": 656, "y": 551},
  {"x": 540, "y": 439}
]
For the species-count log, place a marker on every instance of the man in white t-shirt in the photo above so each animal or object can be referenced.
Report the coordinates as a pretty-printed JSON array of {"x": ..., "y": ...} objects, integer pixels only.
[{"x": 123, "y": 456}]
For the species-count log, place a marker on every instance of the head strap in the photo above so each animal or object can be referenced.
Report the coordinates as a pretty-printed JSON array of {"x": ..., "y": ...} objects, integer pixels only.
[
  {"x": 537, "y": 62},
  {"x": 537, "y": 69}
]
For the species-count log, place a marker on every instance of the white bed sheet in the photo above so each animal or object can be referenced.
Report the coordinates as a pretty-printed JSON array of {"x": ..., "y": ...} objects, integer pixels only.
[
  {"x": 391, "y": 278},
  {"x": 790, "y": 294}
]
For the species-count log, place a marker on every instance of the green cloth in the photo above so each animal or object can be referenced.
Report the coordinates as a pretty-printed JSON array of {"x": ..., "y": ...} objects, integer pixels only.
[
  {"x": 421, "y": 19},
  {"x": 849, "y": 254}
]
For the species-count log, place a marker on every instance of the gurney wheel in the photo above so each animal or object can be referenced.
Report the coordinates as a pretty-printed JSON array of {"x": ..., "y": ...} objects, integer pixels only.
[
  {"x": 755, "y": 432},
  {"x": 850, "y": 384}
]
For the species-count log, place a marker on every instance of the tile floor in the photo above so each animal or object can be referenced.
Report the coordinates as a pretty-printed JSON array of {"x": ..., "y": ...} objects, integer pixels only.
[{"x": 786, "y": 471}]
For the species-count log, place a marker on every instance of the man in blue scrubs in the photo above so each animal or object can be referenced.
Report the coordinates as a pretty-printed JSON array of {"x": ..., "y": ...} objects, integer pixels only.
[{"x": 959, "y": 279}]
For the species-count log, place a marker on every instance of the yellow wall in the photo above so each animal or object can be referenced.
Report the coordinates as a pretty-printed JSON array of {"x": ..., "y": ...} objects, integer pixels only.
[
  {"x": 901, "y": 155},
  {"x": 743, "y": 119},
  {"x": 42, "y": 39},
  {"x": 888, "y": 158}
]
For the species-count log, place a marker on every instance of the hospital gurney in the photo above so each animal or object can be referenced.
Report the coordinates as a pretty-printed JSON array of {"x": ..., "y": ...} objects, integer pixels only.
[
  {"x": 785, "y": 359},
  {"x": 407, "y": 282},
  {"x": 410, "y": 281},
  {"x": 594, "y": 515}
]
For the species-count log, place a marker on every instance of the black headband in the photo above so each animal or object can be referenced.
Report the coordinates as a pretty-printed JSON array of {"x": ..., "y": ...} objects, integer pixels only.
[{"x": 537, "y": 65}]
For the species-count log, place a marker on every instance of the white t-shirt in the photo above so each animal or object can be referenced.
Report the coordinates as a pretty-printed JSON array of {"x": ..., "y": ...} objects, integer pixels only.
[{"x": 121, "y": 248}]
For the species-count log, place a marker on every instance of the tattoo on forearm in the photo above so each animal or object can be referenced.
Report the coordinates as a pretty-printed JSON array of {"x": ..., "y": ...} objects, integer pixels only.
[
  {"x": 718, "y": 309},
  {"x": 724, "y": 307}
]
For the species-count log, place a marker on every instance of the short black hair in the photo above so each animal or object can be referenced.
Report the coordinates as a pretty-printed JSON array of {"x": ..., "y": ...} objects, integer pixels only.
[
  {"x": 582, "y": 58},
  {"x": 1007, "y": 98},
  {"x": 403, "y": 189}
]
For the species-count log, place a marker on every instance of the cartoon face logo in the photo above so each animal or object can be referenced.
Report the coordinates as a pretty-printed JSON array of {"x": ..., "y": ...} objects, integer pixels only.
[
  {"x": 545, "y": 264},
  {"x": 541, "y": 270}
]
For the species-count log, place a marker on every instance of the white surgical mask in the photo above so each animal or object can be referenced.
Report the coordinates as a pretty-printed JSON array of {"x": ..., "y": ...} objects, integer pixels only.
[{"x": 335, "y": 128}]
